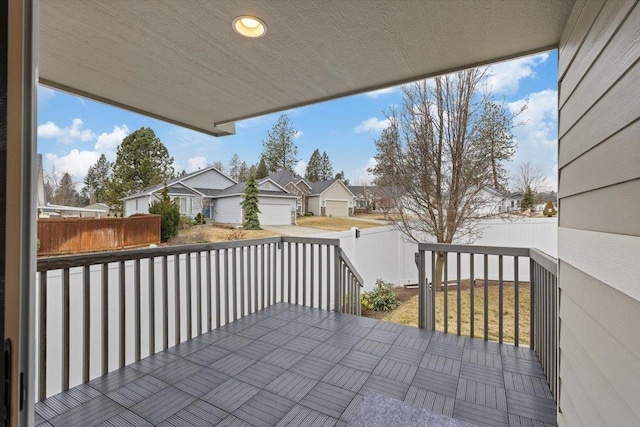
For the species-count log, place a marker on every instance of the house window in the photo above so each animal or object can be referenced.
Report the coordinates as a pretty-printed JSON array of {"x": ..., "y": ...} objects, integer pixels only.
[{"x": 185, "y": 204}]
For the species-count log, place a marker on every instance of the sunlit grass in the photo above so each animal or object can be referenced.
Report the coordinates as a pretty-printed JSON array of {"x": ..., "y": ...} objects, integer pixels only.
[
  {"x": 333, "y": 223},
  {"x": 407, "y": 313}
]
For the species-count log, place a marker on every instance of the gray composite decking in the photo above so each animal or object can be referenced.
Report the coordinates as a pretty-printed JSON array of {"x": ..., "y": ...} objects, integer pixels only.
[{"x": 290, "y": 365}]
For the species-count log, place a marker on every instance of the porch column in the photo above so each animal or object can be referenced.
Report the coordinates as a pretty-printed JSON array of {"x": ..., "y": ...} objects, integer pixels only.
[{"x": 18, "y": 50}]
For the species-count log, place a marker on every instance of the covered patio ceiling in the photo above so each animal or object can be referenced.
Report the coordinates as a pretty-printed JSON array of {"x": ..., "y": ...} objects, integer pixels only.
[{"x": 182, "y": 62}]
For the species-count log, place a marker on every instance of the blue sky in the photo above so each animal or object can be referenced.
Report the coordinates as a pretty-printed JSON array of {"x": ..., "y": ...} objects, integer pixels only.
[{"x": 74, "y": 131}]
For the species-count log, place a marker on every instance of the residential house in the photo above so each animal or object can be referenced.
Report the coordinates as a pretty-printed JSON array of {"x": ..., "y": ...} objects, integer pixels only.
[
  {"x": 369, "y": 198},
  {"x": 511, "y": 202},
  {"x": 597, "y": 315},
  {"x": 296, "y": 185},
  {"x": 330, "y": 198},
  {"x": 193, "y": 192},
  {"x": 277, "y": 206},
  {"x": 102, "y": 210},
  {"x": 217, "y": 197}
]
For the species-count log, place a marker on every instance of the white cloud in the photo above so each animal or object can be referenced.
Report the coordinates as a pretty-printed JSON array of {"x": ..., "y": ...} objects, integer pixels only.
[
  {"x": 372, "y": 124},
  {"x": 537, "y": 137},
  {"x": 363, "y": 176},
  {"x": 300, "y": 167},
  {"x": 44, "y": 95},
  {"x": 297, "y": 134},
  {"x": 504, "y": 78},
  {"x": 76, "y": 163},
  {"x": 196, "y": 163},
  {"x": 376, "y": 93},
  {"x": 109, "y": 141},
  {"x": 66, "y": 135}
]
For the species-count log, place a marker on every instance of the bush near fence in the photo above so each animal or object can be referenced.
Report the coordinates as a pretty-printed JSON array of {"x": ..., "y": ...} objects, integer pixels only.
[{"x": 73, "y": 235}]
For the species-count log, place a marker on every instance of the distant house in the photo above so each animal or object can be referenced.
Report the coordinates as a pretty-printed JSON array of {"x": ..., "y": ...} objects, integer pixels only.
[
  {"x": 330, "y": 198},
  {"x": 277, "y": 206},
  {"x": 193, "y": 192},
  {"x": 511, "y": 203},
  {"x": 100, "y": 210},
  {"x": 490, "y": 202},
  {"x": 368, "y": 198},
  {"x": 296, "y": 185},
  {"x": 218, "y": 198}
]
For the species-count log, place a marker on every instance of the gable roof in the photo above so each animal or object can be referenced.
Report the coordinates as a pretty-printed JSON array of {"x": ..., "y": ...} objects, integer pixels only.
[
  {"x": 319, "y": 187},
  {"x": 284, "y": 177},
  {"x": 238, "y": 189},
  {"x": 170, "y": 183}
]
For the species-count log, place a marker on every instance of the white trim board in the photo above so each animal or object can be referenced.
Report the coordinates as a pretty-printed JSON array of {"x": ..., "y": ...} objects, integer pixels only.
[{"x": 610, "y": 258}]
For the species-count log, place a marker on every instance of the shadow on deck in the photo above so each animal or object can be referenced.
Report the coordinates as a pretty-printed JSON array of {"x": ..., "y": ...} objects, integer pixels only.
[{"x": 293, "y": 365}]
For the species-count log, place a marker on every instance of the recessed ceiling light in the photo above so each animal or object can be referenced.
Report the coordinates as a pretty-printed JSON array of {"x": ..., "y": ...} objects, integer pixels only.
[{"x": 249, "y": 26}]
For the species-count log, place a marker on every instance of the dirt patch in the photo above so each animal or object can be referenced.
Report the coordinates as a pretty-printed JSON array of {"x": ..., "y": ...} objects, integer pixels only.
[{"x": 208, "y": 233}]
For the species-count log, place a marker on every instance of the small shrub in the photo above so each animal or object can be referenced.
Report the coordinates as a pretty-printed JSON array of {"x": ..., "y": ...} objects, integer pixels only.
[
  {"x": 365, "y": 302},
  {"x": 549, "y": 209},
  {"x": 37, "y": 245},
  {"x": 185, "y": 222},
  {"x": 169, "y": 212},
  {"x": 199, "y": 218},
  {"x": 308, "y": 214},
  {"x": 236, "y": 234},
  {"x": 382, "y": 297}
]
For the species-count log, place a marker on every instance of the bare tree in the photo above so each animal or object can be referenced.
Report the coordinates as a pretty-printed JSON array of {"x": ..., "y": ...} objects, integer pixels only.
[
  {"x": 432, "y": 164},
  {"x": 528, "y": 175}
]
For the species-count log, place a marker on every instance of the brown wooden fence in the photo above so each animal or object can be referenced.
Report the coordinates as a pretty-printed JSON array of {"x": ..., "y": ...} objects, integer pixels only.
[{"x": 73, "y": 235}]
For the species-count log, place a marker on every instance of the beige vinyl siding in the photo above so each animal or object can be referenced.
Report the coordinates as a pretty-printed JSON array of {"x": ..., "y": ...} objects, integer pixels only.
[
  {"x": 338, "y": 192},
  {"x": 313, "y": 204},
  {"x": 210, "y": 179},
  {"x": 599, "y": 215}
]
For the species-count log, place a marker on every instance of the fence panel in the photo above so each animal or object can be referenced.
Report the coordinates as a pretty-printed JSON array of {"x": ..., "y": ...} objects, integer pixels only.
[{"x": 74, "y": 235}]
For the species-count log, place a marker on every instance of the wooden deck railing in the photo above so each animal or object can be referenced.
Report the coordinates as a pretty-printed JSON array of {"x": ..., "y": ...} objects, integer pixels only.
[
  {"x": 493, "y": 264},
  {"x": 102, "y": 311}
]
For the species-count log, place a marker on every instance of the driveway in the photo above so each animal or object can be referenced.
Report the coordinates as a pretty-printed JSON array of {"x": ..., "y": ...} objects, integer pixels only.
[{"x": 295, "y": 230}]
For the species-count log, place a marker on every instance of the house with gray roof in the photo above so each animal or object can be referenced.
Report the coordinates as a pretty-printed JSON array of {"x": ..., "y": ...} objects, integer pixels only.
[
  {"x": 294, "y": 184},
  {"x": 330, "y": 198},
  {"x": 217, "y": 197}
]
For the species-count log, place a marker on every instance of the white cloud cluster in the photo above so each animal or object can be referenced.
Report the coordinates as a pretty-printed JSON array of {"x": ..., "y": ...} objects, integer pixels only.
[
  {"x": 76, "y": 163},
  {"x": 504, "y": 78},
  {"x": 300, "y": 167},
  {"x": 297, "y": 134},
  {"x": 66, "y": 135},
  {"x": 372, "y": 124},
  {"x": 537, "y": 136},
  {"x": 110, "y": 141},
  {"x": 196, "y": 163},
  {"x": 363, "y": 176}
]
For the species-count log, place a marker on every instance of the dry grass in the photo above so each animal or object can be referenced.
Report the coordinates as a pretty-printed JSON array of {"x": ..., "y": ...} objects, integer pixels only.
[
  {"x": 381, "y": 216},
  {"x": 407, "y": 313},
  {"x": 333, "y": 223},
  {"x": 211, "y": 233}
]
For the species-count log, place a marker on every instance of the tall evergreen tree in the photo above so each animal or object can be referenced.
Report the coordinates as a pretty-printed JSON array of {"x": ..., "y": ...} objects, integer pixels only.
[
  {"x": 250, "y": 205},
  {"x": 169, "y": 212},
  {"x": 261, "y": 170},
  {"x": 527, "y": 200},
  {"x": 313, "y": 170},
  {"x": 142, "y": 160},
  {"x": 66, "y": 193},
  {"x": 97, "y": 179},
  {"x": 326, "y": 170},
  {"x": 280, "y": 152}
]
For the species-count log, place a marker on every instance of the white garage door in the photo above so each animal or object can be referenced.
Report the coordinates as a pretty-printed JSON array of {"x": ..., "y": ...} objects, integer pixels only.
[
  {"x": 271, "y": 214},
  {"x": 336, "y": 208}
]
